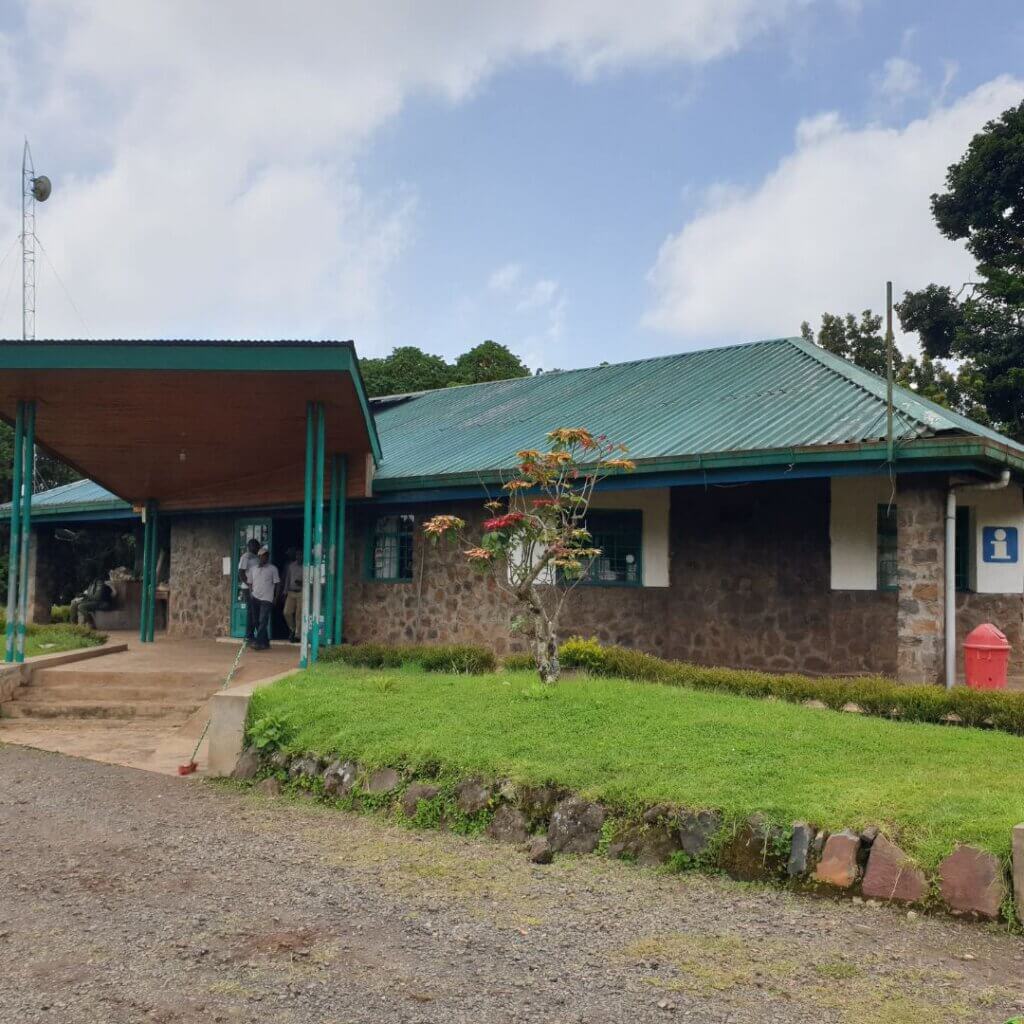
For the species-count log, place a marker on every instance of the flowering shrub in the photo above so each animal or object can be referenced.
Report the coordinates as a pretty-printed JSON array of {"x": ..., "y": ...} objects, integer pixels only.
[{"x": 535, "y": 541}]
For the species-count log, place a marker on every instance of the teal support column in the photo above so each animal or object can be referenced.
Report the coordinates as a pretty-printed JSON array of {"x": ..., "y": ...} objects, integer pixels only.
[
  {"x": 14, "y": 553},
  {"x": 318, "y": 536},
  {"x": 25, "y": 527},
  {"x": 147, "y": 542},
  {"x": 307, "y": 539},
  {"x": 154, "y": 553},
  {"x": 341, "y": 469},
  {"x": 332, "y": 546}
]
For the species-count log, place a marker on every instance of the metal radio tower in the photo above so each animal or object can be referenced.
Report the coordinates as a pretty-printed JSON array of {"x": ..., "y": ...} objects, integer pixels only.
[{"x": 33, "y": 189}]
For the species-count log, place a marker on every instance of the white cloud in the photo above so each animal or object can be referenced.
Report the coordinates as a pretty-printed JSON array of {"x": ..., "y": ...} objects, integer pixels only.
[
  {"x": 531, "y": 311},
  {"x": 215, "y": 146},
  {"x": 900, "y": 80},
  {"x": 505, "y": 278},
  {"x": 846, "y": 210}
]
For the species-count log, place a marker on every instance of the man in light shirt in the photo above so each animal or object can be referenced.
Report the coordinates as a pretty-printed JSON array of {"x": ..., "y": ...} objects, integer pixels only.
[
  {"x": 293, "y": 594},
  {"x": 264, "y": 585},
  {"x": 249, "y": 560}
]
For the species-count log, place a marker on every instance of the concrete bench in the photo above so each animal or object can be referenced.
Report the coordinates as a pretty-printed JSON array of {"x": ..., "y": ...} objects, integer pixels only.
[{"x": 125, "y": 613}]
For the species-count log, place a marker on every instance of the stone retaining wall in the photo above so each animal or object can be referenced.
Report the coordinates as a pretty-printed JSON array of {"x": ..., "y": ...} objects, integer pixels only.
[
  {"x": 549, "y": 819},
  {"x": 11, "y": 678}
]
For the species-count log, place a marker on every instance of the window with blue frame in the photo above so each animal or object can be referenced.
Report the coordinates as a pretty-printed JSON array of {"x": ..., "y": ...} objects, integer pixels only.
[
  {"x": 619, "y": 535},
  {"x": 389, "y": 557},
  {"x": 888, "y": 569}
]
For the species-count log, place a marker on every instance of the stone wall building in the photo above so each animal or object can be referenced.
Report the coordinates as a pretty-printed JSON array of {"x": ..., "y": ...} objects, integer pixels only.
[{"x": 766, "y": 525}]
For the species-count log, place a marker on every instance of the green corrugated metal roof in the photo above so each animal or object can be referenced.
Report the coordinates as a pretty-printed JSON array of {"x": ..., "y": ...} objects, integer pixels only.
[
  {"x": 768, "y": 395},
  {"x": 778, "y": 395},
  {"x": 82, "y": 497}
]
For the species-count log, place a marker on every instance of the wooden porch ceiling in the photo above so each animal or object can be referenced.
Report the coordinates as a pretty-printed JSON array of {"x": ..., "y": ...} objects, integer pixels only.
[{"x": 192, "y": 426}]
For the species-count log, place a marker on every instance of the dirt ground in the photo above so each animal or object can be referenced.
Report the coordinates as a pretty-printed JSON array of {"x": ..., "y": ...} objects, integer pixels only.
[{"x": 127, "y": 896}]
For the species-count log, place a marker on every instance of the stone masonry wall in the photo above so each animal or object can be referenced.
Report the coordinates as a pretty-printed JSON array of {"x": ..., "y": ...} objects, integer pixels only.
[
  {"x": 751, "y": 584},
  {"x": 200, "y": 595},
  {"x": 921, "y": 504},
  {"x": 750, "y": 587},
  {"x": 43, "y": 567},
  {"x": 447, "y": 602},
  {"x": 1006, "y": 612}
]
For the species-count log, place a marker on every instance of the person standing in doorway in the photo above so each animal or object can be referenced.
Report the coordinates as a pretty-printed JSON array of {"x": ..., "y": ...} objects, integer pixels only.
[
  {"x": 293, "y": 594},
  {"x": 249, "y": 560},
  {"x": 264, "y": 585}
]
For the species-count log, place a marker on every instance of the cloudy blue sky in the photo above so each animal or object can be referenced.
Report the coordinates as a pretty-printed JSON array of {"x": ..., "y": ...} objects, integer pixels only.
[{"x": 579, "y": 179}]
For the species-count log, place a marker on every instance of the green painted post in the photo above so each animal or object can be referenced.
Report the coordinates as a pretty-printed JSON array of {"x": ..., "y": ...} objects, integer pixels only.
[
  {"x": 307, "y": 538},
  {"x": 318, "y": 535},
  {"x": 339, "y": 564},
  {"x": 154, "y": 557},
  {"x": 25, "y": 527},
  {"x": 332, "y": 541},
  {"x": 14, "y": 552},
  {"x": 147, "y": 540}
]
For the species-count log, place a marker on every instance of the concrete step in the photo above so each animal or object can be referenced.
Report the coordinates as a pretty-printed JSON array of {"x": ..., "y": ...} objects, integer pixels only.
[
  {"x": 129, "y": 690},
  {"x": 95, "y": 675},
  {"x": 170, "y": 711}
]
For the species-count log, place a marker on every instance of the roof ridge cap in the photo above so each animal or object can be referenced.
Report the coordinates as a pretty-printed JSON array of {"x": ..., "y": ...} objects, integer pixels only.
[{"x": 587, "y": 369}]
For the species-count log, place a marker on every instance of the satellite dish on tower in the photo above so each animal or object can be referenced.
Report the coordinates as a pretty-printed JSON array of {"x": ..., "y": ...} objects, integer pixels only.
[{"x": 41, "y": 188}]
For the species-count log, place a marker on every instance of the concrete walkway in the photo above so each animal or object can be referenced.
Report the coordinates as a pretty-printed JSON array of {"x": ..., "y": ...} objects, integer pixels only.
[{"x": 142, "y": 708}]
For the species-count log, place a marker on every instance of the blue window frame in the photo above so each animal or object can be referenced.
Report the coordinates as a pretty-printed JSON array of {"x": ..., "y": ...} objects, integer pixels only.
[
  {"x": 888, "y": 567},
  {"x": 619, "y": 535},
  {"x": 390, "y": 552}
]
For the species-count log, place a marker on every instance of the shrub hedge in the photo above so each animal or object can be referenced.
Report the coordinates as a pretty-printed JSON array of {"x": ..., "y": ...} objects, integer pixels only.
[
  {"x": 873, "y": 695},
  {"x": 519, "y": 663},
  {"x": 58, "y": 628},
  {"x": 460, "y": 658},
  {"x": 60, "y": 613}
]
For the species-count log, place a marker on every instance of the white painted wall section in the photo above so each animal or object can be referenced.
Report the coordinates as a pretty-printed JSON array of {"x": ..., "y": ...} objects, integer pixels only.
[
  {"x": 996, "y": 509},
  {"x": 853, "y": 529},
  {"x": 654, "y": 503}
]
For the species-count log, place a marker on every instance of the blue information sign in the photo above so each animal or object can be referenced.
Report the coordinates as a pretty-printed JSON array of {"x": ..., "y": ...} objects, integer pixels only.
[{"x": 1000, "y": 544}]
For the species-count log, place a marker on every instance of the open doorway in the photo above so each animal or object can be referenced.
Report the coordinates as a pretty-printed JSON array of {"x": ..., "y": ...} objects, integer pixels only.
[{"x": 287, "y": 536}]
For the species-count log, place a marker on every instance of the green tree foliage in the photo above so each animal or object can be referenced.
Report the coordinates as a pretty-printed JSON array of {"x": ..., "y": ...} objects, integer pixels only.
[
  {"x": 406, "y": 369},
  {"x": 410, "y": 369},
  {"x": 861, "y": 341},
  {"x": 49, "y": 473},
  {"x": 982, "y": 323},
  {"x": 488, "y": 361}
]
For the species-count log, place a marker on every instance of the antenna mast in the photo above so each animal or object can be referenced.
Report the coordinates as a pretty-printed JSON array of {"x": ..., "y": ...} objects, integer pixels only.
[
  {"x": 33, "y": 189},
  {"x": 28, "y": 247},
  {"x": 888, "y": 372}
]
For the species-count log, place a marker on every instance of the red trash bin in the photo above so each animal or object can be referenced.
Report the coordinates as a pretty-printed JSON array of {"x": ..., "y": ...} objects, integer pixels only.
[{"x": 986, "y": 657}]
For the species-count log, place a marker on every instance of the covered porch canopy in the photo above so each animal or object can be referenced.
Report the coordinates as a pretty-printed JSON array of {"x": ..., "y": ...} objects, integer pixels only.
[{"x": 194, "y": 425}]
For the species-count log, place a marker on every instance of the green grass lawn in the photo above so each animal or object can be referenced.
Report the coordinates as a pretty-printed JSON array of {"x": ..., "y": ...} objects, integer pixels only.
[
  {"x": 928, "y": 786},
  {"x": 60, "y": 637}
]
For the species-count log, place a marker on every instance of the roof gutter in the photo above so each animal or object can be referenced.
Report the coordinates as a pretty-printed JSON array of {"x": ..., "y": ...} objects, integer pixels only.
[{"x": 918, "y": 451}]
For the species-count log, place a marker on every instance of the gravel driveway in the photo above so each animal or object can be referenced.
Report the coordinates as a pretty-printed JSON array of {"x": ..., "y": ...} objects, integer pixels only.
[{"x": 128, "y": 897}]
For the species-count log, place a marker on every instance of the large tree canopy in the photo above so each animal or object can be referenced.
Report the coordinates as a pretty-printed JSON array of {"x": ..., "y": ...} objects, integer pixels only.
[
  {"x": 410, "y": 369},
  {"x": 862, "y": 342},
  {"x": 982, "y": 323},
  {"x": 972, "y": 335}
]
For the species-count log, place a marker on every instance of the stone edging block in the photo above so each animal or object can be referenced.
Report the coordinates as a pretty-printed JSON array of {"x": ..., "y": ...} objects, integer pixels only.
[{"x": 545, "y": 820}]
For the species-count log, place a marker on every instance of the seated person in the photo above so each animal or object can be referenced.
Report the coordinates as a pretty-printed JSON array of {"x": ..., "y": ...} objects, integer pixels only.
[{"x": 98, "y": 596}]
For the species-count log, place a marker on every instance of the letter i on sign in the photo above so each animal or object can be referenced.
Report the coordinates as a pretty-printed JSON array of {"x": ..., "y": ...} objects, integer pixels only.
[{"x": 1000, "y": 544}]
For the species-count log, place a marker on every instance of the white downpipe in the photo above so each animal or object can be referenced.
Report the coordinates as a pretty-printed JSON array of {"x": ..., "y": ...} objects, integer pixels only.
[{"x": 950, "y": 556}]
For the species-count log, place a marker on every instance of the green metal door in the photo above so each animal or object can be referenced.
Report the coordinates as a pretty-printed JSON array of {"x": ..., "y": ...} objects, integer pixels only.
[{"x": 246, "y": 529}]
